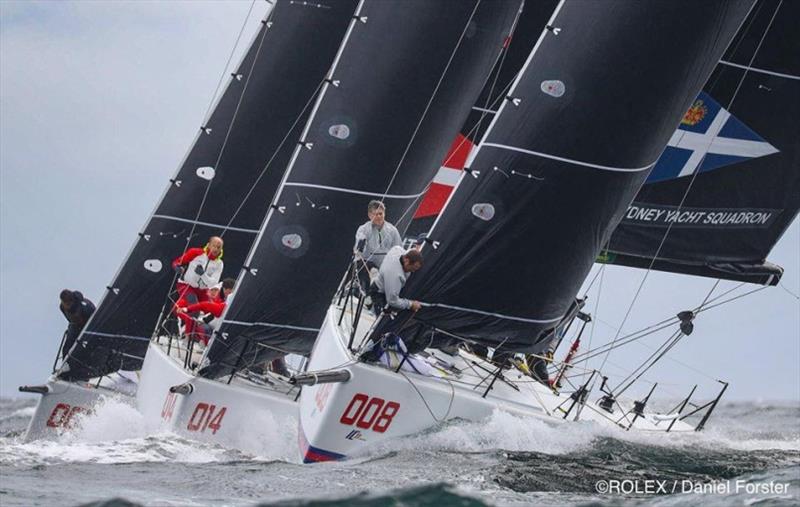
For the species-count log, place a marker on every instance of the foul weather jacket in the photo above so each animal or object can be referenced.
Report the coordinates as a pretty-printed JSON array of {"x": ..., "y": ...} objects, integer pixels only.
[{"x": 203, "y": 270}]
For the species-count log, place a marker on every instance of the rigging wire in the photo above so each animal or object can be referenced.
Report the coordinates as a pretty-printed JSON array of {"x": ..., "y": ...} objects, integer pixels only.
[
  {"x": 694, "y": 175},
  {"x": 272, "y": 157},
  {"x": 228, "y": 132},
  {"x": 430, "y": 101},
  {"x": 207, "y": 114}
]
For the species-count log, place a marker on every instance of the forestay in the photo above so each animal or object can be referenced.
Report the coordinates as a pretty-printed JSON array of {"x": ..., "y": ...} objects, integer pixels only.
[
  {"x": 403, "y": 83},
  {"x": 569, "y": 148},
  {"x": 224, "y": 185}
]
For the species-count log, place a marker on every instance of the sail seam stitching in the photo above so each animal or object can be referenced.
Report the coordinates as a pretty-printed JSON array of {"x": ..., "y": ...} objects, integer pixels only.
[
  {"x": 569, "y": 160},
  {"x": 198, "y": 222},
  {"x": 353, "y": 191},
  {"x": 491, "y": 314},
  {"x": 761, "y": 71}
]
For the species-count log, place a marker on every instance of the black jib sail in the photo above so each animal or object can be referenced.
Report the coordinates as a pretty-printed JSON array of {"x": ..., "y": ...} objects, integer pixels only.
[
  {"x": 577, "y": 135},
  {"x": 728, "y": 183},
  {"x": 222, "y": 186},
  {"x": 530, "y": 24},
  {"x": 403, "y": 83}
]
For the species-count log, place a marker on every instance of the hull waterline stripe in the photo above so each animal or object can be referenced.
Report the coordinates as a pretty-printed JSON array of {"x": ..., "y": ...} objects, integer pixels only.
[
  {"x": 490, "y": 314},
  {"x": 109, "y": 335},
  {"x": 352, "y": 191},
  {"x": 270, "y": 324},
  {"x": 208, "y": 224},
  {"x": 568, "y": 160},
  {"x": 760, "y": 71},
  {"x": 313, "y": 454}
]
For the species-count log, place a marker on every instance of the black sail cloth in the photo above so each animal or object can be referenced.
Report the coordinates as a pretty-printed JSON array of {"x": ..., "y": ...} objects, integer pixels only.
[
  {"x": 403, "y": 84},
  {"x": 741, "y": 138},
  {"x": 594, "y": 107},
  {"x": 530, "y": 24},
  {"x": 221, "y": 178}
]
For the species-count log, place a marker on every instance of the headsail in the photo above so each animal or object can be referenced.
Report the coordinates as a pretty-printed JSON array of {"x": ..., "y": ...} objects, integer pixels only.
[
  {"x": 401, "y": 86},
  {"x": 552, "y": 179},
  {"x": 237, "y": 159},
  {"x": 735, "y": 158}
]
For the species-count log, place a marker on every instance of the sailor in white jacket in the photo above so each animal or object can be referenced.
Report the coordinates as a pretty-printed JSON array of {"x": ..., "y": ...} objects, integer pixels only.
[{"x": 392, "y": 277}]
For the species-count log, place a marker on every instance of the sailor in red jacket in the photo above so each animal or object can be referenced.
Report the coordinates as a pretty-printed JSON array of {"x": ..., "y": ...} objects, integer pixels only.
[
  {"x": 200, "y": 330},
  {"x": 201, "y": 269}
]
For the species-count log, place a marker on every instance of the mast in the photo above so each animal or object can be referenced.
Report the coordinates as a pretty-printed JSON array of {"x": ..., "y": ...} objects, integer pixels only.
[
  {"x": 237, "y": 157},
  {"x": 402, "y": 84},
  {"x": 566, "y": 153}
]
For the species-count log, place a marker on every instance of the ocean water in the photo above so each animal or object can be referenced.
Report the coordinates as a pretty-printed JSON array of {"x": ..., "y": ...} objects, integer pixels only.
[{"x": 748, "y": 455}]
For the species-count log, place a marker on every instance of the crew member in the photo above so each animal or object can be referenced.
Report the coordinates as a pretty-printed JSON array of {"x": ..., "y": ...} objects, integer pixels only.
[
  {"x": 391, "y": 279},
  {"x": 201, "y": 268},
  {"x": 373, "y": 239},
  {"x": 77, "y": 310},
  {"x": 214, "y": 306}
]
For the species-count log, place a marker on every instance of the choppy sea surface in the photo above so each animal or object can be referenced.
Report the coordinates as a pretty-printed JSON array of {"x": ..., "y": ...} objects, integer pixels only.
[{"x": 749, "y": 454}]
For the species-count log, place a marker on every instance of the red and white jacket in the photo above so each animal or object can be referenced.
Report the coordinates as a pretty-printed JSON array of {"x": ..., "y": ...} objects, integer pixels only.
[
  {"x": 215, "y": 308},
  {"x": 199, "y": 257}
]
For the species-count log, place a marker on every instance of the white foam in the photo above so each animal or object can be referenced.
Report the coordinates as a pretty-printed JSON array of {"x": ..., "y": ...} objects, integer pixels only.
[
  {"x": 26, "y": 412},
  {"x": 504, "y": 431}
]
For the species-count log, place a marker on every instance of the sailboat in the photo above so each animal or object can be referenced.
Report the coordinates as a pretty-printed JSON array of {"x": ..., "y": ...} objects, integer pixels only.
[
  {"x": 535, "y": 205},
  {"x": 378, "y": 129},
  {"x": 235, "y": 160}
]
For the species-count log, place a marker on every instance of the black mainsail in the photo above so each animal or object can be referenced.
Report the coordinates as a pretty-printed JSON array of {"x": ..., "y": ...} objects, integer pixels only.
[
  {"x": 530, "y": 24},
  {"x": 728, "y": 184},
  {"x": 576, "y": 137},
  {"x": 222, "y": 186},
  {"x": 400, "y": 88}
]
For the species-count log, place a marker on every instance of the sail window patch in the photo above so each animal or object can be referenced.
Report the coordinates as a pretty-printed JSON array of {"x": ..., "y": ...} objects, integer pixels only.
[
  {"x": 554, "y": 87},
  {"x": 153, "y": 265},
  {"x": 207, "y": 173},
  {"x": 483, "y": 210},
  {"x": 293, "y": 241},
  {"x": 339, "y": 131}
]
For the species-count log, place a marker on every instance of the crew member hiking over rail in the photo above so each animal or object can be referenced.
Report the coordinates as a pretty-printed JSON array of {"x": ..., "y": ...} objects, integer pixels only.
[
  {"x": 201, "y": 269},
  {"x": 385, "y": 290}
]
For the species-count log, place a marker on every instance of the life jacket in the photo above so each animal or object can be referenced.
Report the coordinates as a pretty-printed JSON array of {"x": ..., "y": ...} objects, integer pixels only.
[{"x": 211, "y": 268}]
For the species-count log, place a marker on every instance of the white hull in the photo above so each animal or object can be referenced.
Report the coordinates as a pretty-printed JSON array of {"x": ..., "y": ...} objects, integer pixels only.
[
  {"x": 239, "y": 415},
  {"x": 377, "y": 403},
  {"x": 59, "y": 409}
]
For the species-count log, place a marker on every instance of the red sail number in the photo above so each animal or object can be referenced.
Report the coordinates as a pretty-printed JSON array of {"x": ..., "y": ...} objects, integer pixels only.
[
  {"x": 169, "y": 406},
  {"x": 62, "y": 414},
  {"x": 369, "y": 413},
  {"x": 206, "y": 416}
]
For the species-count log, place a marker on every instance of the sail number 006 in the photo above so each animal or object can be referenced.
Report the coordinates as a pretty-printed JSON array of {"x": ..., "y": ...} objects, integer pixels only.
[{"x": 369, "y": 413}]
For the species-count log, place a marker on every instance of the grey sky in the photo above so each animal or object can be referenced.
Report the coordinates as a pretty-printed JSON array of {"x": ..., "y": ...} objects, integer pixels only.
[{"x": 99, "y": 101}]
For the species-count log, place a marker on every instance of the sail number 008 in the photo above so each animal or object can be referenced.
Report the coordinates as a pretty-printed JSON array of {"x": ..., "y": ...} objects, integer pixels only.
[{"x": 369, "y": 413}]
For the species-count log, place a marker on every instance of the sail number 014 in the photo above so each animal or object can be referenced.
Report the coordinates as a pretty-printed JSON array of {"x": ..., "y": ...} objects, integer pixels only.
[{"x": 369, "y": 413}]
